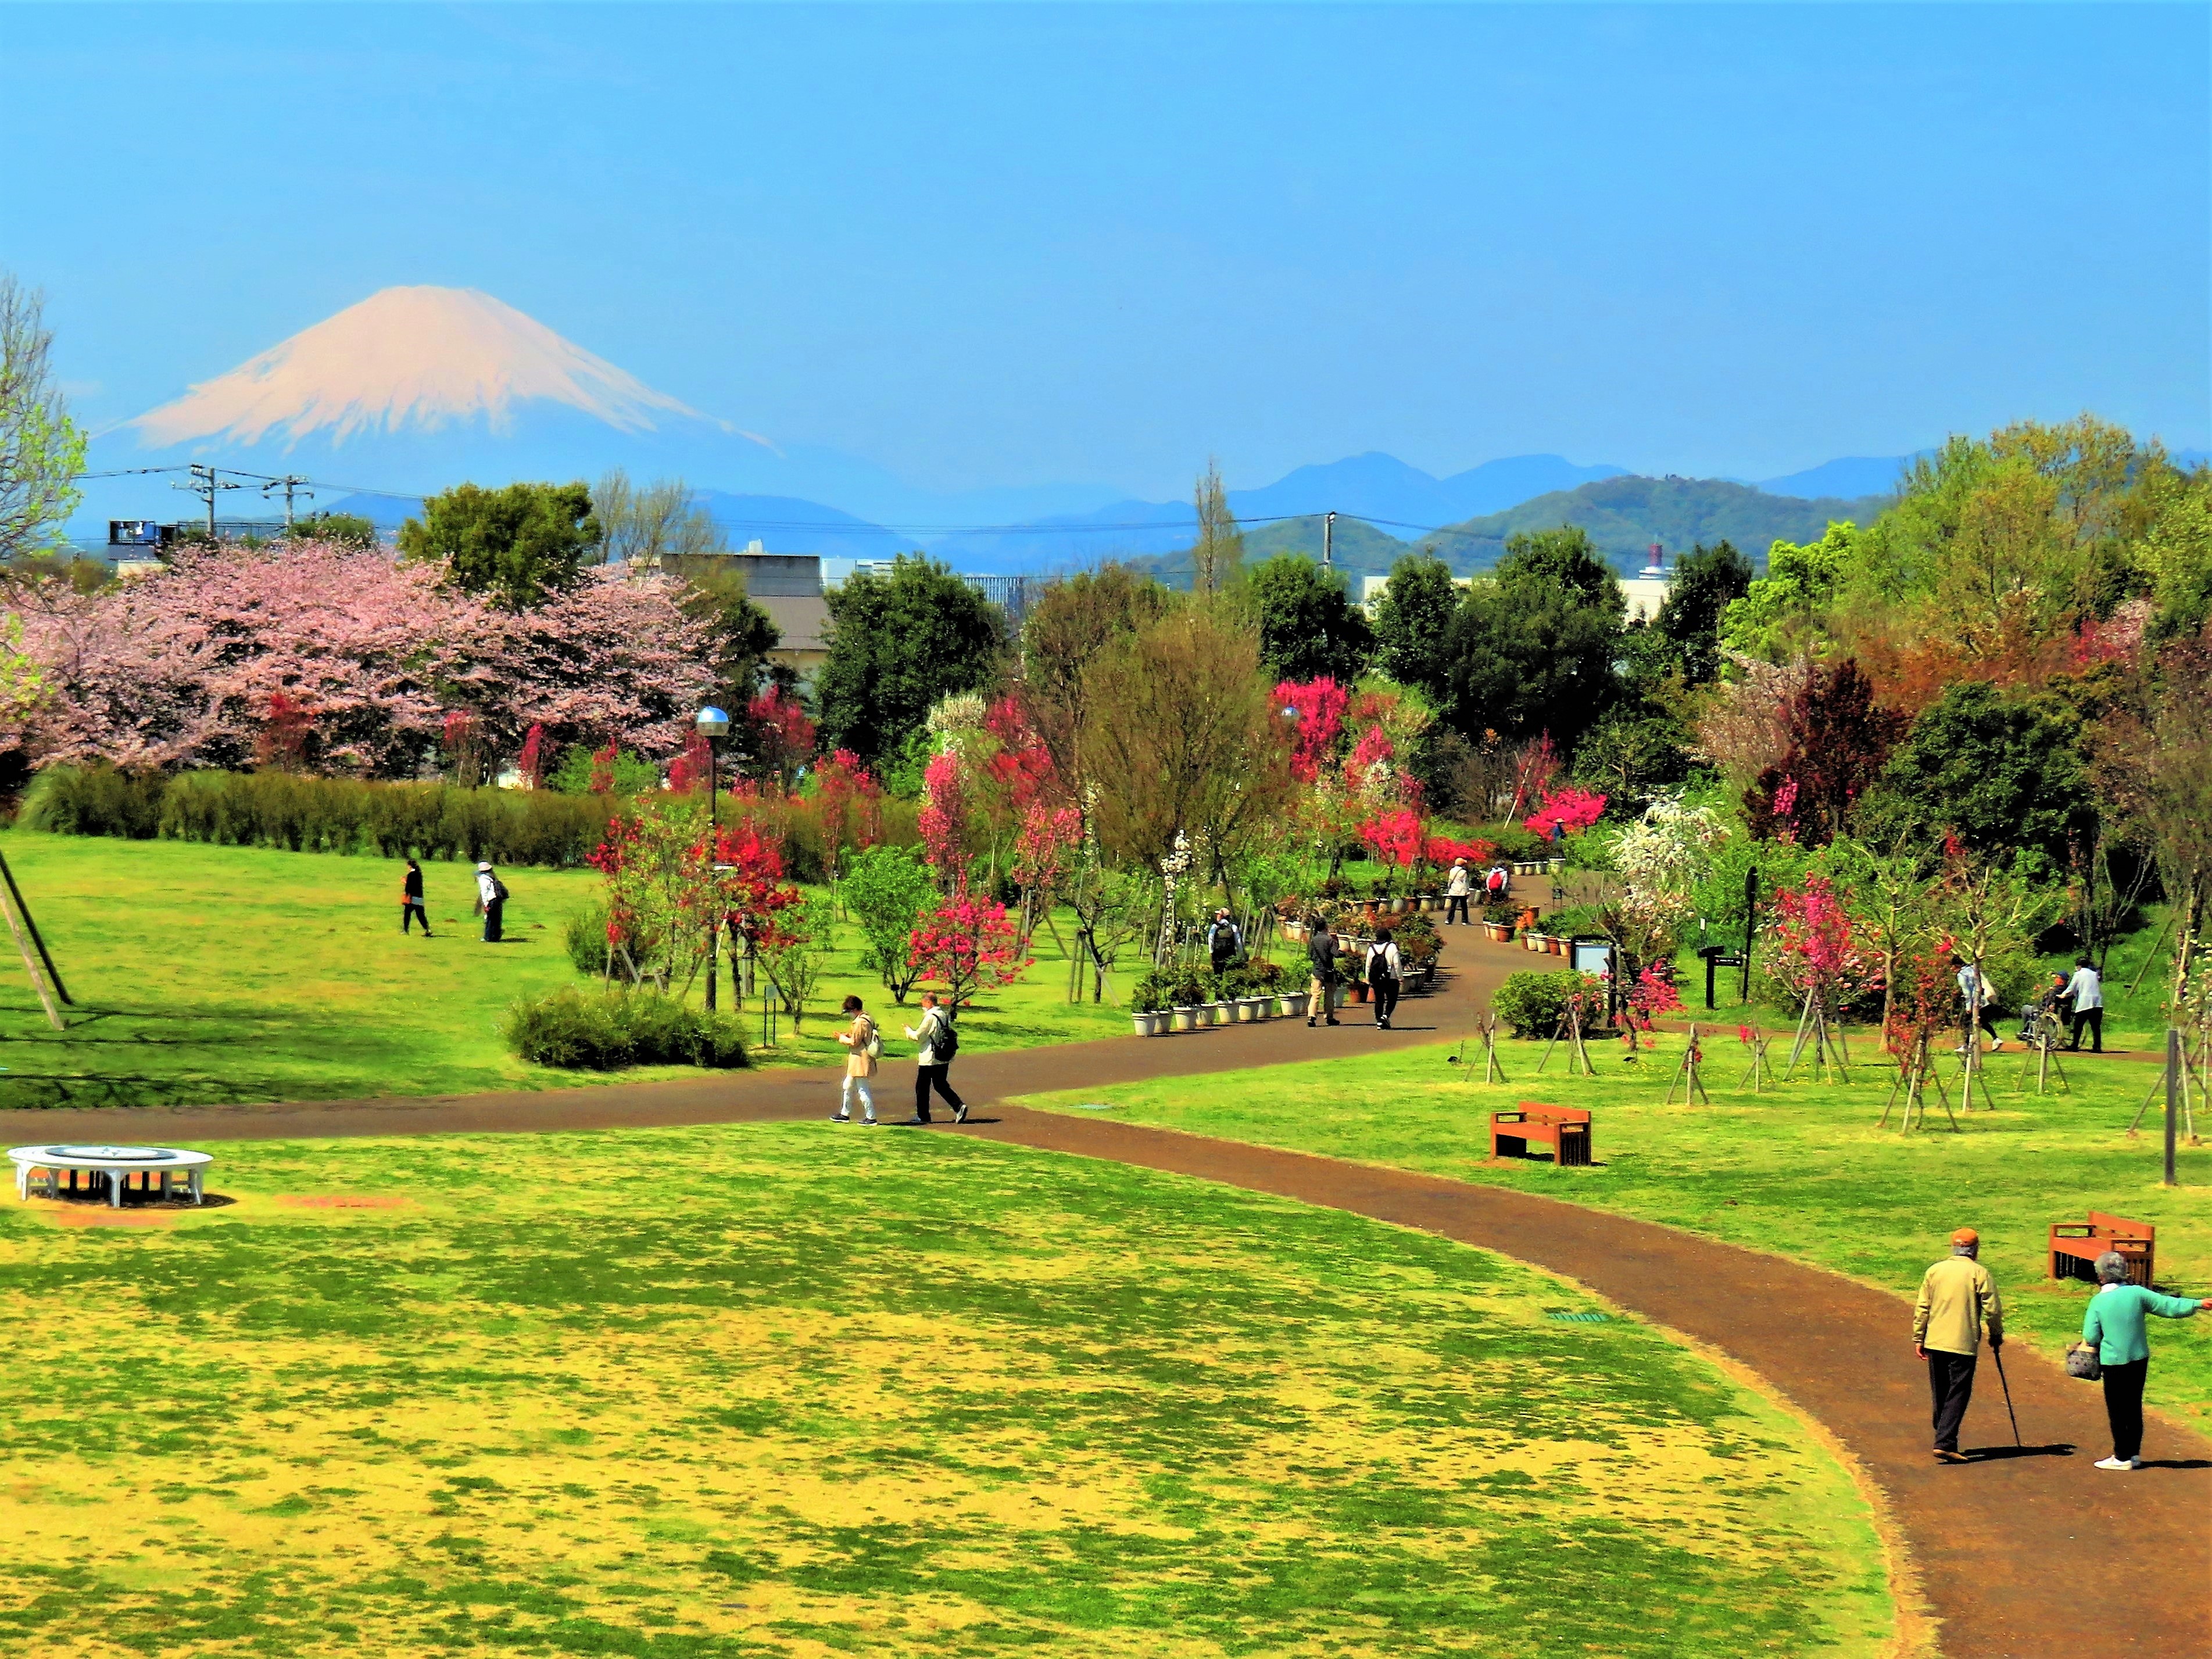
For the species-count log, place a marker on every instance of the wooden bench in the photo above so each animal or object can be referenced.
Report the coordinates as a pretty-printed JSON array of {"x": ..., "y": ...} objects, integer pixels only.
[
  {"x": 2076, "y": 1246},
  {"x": 1565, "y": 1129}
]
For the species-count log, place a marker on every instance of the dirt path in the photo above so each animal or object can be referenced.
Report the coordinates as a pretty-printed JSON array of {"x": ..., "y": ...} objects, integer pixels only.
[{"x": 2020, "y": 1556}]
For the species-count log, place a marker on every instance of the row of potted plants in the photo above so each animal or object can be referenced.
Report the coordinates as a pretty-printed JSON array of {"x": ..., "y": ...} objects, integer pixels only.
[{"x": 1192, "y": 998}]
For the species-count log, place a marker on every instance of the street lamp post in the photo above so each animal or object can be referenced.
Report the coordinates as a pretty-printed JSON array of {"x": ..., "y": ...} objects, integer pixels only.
[{"x": 711, "y": 724}]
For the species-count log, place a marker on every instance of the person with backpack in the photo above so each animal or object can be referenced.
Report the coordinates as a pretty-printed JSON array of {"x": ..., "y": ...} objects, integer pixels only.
[
  {"x": 1385, "y": 971},
  {"x": 1321, "y": 956},
  {"x": 1497, "y": 882},
  {"x": 491, "y": 901},
  {"x": 410, "y": 899},
  {"x": 865, "y": 1045},
  {"x": 1225, "y": 942},
  {"x": 939, "y": 1042}
]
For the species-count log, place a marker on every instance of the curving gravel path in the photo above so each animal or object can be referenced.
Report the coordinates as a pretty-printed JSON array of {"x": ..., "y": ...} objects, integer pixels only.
[{"x": 2019, "y": 1556}]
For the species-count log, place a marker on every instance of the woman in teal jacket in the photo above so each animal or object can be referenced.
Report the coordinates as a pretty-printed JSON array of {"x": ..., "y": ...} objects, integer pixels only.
[{"x": 2114, "y": 1327}]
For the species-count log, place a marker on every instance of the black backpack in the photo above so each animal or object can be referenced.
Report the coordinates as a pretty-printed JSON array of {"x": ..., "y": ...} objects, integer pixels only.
[
  {"x": 499, "y": 890},
  {"x": 947, "y": 1040}
]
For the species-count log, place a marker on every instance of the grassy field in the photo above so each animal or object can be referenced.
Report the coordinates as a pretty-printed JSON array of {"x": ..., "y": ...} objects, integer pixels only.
[
  {"x": 225, "y": 974},
  {"x": 803, "y": 1393},
  {"x": 1800, "y": 1170}
]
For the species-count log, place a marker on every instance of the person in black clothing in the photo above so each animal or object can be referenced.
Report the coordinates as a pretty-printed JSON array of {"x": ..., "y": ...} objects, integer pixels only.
[
  {"x": 1383, "y": 975},
  {"x": 1321, "y": 953},
  {"x": 411, "y": 900},
  {"x": 938, "y": 1043},
  {"x": 1224, "y": 942}
]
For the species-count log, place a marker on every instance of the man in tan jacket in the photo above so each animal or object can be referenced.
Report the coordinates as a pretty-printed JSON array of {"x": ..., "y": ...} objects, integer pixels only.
[{"x": 1958, "y": 1298}]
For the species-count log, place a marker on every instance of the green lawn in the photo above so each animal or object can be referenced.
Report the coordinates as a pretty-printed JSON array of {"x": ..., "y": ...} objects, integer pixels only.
[
  {"x": 1801, "y": 1170},
  {"x": 808, "y": 1391},
  {"x": 226, "y": 974}
]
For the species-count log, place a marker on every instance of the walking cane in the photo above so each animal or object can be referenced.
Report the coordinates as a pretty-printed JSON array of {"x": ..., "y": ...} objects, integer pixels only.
[{"x": 1998, "y": 1354}]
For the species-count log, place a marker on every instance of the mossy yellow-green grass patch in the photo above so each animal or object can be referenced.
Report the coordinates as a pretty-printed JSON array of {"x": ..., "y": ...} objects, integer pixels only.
[
  {"x": 1801, "y": 1169},
  {"x": 240, "y": 974},
  {"x": 796, "y": 1390}
]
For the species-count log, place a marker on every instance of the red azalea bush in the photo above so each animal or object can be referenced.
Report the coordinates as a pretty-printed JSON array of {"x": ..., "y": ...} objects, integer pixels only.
[
  {"x": 1393, "y": 837},
  {"x": 1319, "y": 704},
  {"x": 1571, "y": 810}
]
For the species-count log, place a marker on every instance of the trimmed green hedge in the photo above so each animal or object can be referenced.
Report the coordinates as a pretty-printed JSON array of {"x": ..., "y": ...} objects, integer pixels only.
[
  {"x": 606, "y": 1030},
  {"x": 306, "y": 814}
]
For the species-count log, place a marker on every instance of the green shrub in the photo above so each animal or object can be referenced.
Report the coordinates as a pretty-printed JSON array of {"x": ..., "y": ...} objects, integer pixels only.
[
  {"x": 306, "y": 814},
  {"x": 93, "y": 800},
  {"x": 1518, "y": 846},
  {"x": 586, "y": 936},
  {"x": 606, "y": 1030},
  {"x": 1534, "y": 1004}
]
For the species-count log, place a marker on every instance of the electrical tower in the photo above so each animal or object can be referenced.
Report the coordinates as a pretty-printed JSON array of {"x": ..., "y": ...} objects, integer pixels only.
[
  {"x": 288, "y": 483},
  {"x": 206, "y": 485}
]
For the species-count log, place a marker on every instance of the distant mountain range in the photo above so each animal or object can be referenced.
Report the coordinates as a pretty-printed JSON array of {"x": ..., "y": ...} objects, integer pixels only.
[{"x": 416, "y": 389}]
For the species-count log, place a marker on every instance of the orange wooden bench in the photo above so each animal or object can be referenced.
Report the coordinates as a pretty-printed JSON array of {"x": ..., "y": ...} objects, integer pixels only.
[
  {"x": 2076, "y": 1246},
  {"x": 1565, "y": 1129}
]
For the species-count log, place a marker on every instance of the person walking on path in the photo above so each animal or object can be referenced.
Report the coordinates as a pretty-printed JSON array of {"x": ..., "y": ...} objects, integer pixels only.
[
  {"x": 1958, "y": 1298},
  {"x": 1458, "y": 890},
  {"x": 491, "y": 901},
  {"x": 1383, "y": 972},
  {"x": 1321, "y": 956},
  {"x": 410, "y": 899},
  {"x": 2114, "y": 1327},
  {"x": 1224, "y": 942},
  {"x": 1974, "y": 993},
  {"x": 2087, "y": 989},
  {"x": 865, "y": 1044},
  {"x": 939, "y": 1042}
]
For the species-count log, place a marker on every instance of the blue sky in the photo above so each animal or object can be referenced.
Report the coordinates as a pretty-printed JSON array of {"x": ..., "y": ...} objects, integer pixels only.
[{"x": 1019, "y": 245}]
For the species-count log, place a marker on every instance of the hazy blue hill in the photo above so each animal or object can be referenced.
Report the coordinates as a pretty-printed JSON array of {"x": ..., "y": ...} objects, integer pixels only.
[
  {"x": 1358, "y": 548},
  {"x": 788, "y": 524},
  {"x": 1625, "y": 515},
  {"x": 1496, "y": 485},
  {"x": 1852, "y": 476}
]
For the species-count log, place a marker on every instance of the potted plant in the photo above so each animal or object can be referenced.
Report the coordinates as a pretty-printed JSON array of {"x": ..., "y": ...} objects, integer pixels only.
[
  {"x": 1188, "y": 1000},
  {"x": 1146, "y": 1012}
]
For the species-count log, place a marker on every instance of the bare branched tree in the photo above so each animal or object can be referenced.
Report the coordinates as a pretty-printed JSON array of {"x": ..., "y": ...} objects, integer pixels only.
[
  {"x": 1219, "y": 549},
  {"x": 41, "y": 450},
  {"x": 648, "y": 526}
]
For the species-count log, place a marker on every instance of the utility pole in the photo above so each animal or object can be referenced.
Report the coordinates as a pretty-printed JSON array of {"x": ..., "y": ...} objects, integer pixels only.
[
  {"x": 288, "y": 483},
  {"x": 205, "y": 485},
  {"x": 1328, "y": 539}
]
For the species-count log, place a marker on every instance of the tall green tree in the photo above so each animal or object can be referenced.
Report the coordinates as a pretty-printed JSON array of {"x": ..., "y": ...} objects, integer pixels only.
[
  {"x": 1707, "y": 580},
  {"x": 1308, "y": 626},
  {"x": 515, "y": 544},
  {"x": 1412, "y": 619},
  {"x": 2003, "y": 774},
  {"x": 1533, "y": 650},
  {"x": 41, "y": 450},
  {"x": 897, "y": 644},
  {"x": 1782, "y": 610}
]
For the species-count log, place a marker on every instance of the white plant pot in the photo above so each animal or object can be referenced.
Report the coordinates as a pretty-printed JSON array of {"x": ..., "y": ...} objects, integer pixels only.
[
  {"x": 1261, "y": 1007},
  {"x": 1291, "y": 1004},
  {"x": 1185, "y": 1019},
  {"x": 1144, "y": 1024}
]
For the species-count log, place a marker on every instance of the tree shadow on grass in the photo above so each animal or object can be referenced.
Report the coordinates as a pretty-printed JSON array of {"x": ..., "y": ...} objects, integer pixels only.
[{"x": 80, "y": 1090}]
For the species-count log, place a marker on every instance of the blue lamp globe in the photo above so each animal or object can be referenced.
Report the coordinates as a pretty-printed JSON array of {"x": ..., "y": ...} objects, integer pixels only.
[{"x": 712, "y": 722}]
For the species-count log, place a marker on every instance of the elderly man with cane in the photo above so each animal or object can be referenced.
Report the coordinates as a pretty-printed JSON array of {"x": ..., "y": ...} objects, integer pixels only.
[{"x": 1958, "y": 1299}]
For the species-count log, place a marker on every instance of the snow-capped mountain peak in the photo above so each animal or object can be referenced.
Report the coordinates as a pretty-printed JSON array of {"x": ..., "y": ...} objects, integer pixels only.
[{"x": 407, "y": 360}]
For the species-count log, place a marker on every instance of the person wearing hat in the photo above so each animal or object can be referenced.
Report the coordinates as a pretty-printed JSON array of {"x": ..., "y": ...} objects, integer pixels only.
[
  {"x": 491, "y": 903},
  {"x": 1958, "y": 1299}
]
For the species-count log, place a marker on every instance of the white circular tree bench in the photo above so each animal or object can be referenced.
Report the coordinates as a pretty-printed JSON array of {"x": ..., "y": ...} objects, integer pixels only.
[{"x": 160, "y": 1169}]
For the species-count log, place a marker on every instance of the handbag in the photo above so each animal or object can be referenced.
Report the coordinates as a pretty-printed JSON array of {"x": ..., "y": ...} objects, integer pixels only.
[{"x": 2082, "y": 1361}]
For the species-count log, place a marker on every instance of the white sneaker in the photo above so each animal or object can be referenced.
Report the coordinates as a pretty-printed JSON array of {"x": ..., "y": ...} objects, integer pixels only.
[{"x": 2119, "y": 1462}]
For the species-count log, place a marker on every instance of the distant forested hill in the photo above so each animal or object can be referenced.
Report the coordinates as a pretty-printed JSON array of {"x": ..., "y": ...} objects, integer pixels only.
[{"x": 1624, "y": 516}]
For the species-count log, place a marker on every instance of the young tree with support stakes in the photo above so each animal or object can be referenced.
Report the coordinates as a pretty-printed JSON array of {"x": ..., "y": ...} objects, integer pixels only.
[{"x": 967, "y": 945}]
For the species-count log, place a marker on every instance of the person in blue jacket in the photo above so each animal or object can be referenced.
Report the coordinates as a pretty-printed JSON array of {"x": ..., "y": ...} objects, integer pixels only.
[{"x": 2114, "y": 1327}]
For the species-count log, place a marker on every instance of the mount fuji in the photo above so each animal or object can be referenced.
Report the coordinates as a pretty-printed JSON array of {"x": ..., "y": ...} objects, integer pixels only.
[{"x": 416, "y": 389}]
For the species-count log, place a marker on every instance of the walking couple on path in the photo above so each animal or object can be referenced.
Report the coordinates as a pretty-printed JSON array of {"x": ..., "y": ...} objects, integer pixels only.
[
  {"x": 1958, "y": 1301},
  {"x": 1385, "y": 973},
  {"x": 864, "y": 1042}
]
